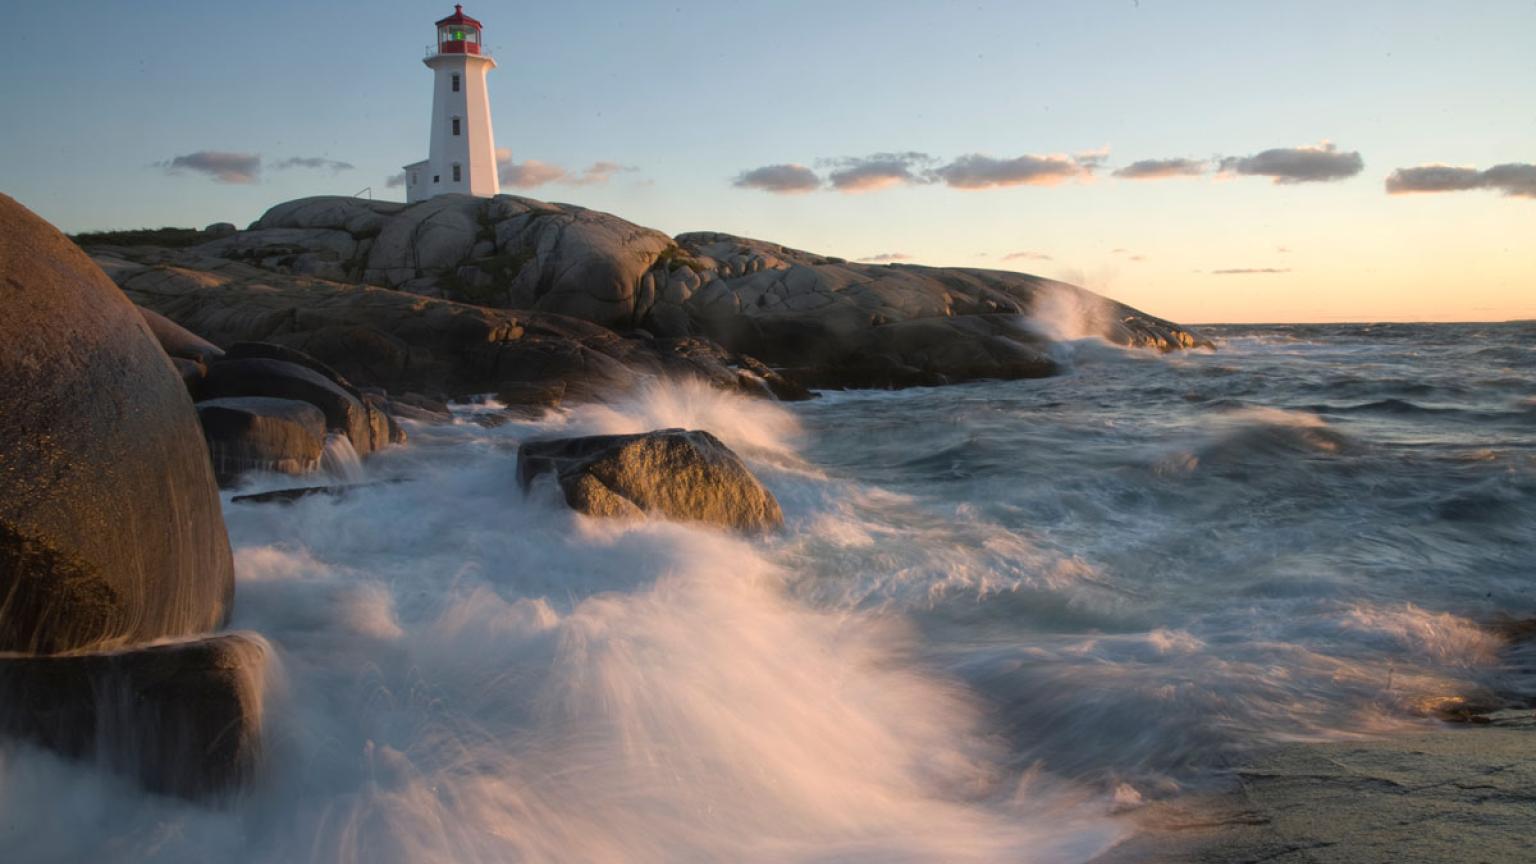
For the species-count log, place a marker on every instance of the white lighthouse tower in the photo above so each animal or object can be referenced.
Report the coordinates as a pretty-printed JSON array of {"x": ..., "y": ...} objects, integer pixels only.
[{"x": 463, "y": 154}]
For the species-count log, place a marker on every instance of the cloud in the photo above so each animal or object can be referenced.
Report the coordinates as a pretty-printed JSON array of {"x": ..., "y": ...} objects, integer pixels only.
[
  {"x": 334, "y": 165},
  {"x": 877, "y": 171},
  {"x": 1513, "y": 178},
  {"x": 786, "y": 179},
  {"x": 395, "y": 180},
  {"x": 220, "y": 165},
  {"x": 978, "y": 171},
  {"x": 1162, "y": 169},
  {"x": 887, "y": 257},
  {"x": 1027, "y": 256},
  {"x": 531, "y": 173},
  {"x": 1286, "y": 165},
  {"x": 600, "y": 172},
  {"x": 1244, "y": 271},
  {"x": 1093, "y": 160}
]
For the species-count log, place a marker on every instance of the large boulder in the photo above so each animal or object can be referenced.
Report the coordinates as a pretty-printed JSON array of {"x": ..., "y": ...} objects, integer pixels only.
[
  {"x": 571, "y": 260},
  {"x": 426, "y": 238},
  {"x": 675, "y": 473},
  {"x": 282, "y": 379},
  {"x": 361, "y": 218},
  {"x": 183, "y": 718},
  {"x": 111, "y": 531},
  {"x": 259, "y": 433}
]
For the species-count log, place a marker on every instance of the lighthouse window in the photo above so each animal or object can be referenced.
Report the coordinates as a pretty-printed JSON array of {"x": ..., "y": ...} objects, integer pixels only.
[
  {"x": 456, "y": 177},
  {"x": 455, "y": 83},
  {"x": 455, "y": 125}
]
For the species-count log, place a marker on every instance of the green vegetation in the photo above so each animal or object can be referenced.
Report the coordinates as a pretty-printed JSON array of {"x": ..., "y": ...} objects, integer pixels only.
[{"x": 170, "y": 237}]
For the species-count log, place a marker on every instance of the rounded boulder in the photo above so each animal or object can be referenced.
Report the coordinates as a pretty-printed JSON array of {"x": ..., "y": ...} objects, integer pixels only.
[{"x": 111, "y": 531}]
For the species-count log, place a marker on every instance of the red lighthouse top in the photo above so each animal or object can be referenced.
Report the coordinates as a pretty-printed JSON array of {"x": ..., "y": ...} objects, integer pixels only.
[{"x": 458, "y": 33}]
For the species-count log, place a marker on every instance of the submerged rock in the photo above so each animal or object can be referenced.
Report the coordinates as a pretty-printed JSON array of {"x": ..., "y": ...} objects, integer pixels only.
[
  {"x": 111, "y": 532},
  {"x": 260, "y": 433},
  {"x": 675, "y": 473},
  {"x": 183, "y": 718}
]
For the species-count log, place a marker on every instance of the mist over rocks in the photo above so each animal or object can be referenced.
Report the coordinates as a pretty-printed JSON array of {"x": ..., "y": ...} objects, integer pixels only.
[
  {"x": 183, "y": 718},
  {"x": 835, "y": 323}
]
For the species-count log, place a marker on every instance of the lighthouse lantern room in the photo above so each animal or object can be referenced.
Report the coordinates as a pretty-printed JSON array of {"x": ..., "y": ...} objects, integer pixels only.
[{"x": 462, "y": 156}]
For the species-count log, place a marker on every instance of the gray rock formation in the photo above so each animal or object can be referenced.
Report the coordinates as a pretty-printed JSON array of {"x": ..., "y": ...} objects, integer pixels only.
[
  {"x": 823, "y": 316},
  {"x": 401, "y": 342},
  {"x": 678, "y": 474},
  {"x": 792, "y": 308},
  {"x": 183, "y": 718},
  {"x": 111, "y": 531},
  {"x": 258, "y": 433}
]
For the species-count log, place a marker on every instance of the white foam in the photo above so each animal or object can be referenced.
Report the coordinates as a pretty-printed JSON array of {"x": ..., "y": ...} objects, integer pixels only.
[{"x": 468, "y": 675}]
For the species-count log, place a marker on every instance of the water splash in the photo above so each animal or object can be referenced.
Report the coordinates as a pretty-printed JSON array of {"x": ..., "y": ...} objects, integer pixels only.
[{"x": 340, "y": 459}]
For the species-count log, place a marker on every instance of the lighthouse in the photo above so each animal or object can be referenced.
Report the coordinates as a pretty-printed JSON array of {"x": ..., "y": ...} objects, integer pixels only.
[{"x": 462, "y": 157}]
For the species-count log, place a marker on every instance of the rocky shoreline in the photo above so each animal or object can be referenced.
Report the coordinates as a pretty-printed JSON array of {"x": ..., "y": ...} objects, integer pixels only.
[{"x": 298, "y": 347}]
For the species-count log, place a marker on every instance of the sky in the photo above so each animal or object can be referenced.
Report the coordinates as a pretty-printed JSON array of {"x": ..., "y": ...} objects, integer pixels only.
[{"x": 1205, "y": 162}]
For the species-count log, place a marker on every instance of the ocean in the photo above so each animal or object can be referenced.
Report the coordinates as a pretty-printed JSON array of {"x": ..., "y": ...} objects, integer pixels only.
[{"x": 1000, "y": 619}]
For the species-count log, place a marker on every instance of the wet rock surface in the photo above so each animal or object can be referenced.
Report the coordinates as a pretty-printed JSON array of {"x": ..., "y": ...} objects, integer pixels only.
[
  {"x": 1458, "y": 794},
  {"x": 111, "y": 532},
  {"x": 183, "y": 718},
  {"x": 259, "y": 433},
  {"x": 674, "y": 473},
  {"x": 279, "y": 379}
]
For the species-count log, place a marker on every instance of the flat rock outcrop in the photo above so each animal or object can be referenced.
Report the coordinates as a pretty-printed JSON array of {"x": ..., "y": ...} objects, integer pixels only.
[
  {"x": 111, "y": 532},
  {"x": 183, "y": 718},
  {"x": 674, "y": 473},
  {"x": 817, "y": 314},
  {"x": 402, "y": 342}
]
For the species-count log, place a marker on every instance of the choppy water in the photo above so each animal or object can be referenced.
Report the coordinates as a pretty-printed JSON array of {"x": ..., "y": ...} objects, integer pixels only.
[{"x": 999, "y": 615}]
